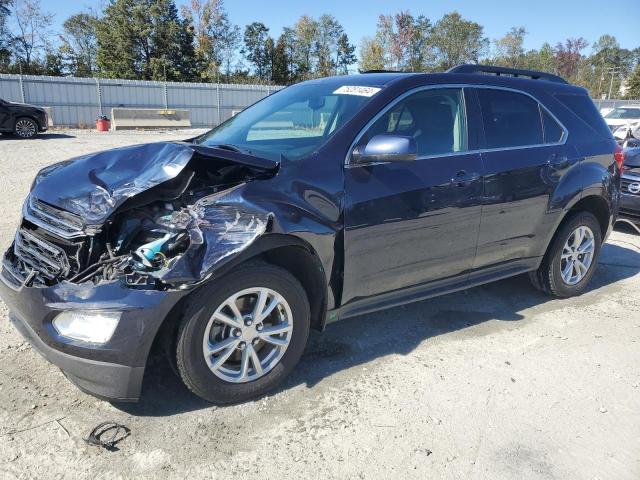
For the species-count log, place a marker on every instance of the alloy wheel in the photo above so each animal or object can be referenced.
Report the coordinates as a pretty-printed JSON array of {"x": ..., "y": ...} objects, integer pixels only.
[
  {"x": 577, "y": 255},
  {"x": 248, "y": 335},
  {"x": 25, "y": 128}
]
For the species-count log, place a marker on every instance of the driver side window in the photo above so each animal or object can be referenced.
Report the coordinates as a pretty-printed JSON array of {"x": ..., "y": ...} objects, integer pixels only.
[{"x": 435, "y": 119}]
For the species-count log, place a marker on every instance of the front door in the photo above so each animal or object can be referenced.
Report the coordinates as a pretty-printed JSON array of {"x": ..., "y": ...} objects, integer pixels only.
[
  {"x": 408, "y": 223},
  {"x": 4, "y": 117}
]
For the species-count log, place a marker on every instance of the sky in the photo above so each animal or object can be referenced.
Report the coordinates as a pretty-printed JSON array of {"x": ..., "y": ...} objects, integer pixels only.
[{"x": 545, "y": 20}]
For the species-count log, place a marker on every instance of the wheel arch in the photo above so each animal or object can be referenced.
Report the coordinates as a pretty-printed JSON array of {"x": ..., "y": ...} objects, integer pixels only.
[{"x": 286, "y": 251}]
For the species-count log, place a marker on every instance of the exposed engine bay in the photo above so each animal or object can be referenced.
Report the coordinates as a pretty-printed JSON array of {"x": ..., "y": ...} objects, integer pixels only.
[{"x": 166, "y": 227}]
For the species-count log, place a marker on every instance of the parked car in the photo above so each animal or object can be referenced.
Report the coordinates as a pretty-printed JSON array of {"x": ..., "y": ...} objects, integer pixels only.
[
  {"x": 624, "y": 122},
  {"x": 25, "y": 121},
  {"x": 630, "y": 198},
  {"x": 226, "y": 249}
]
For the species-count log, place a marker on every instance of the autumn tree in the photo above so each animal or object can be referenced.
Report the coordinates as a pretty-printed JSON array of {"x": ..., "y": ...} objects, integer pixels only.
[{"x": 371, "y": 54}]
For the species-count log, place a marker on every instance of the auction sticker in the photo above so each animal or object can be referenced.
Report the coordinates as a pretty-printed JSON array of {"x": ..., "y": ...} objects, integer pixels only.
[{"x": 357, "y": 90}]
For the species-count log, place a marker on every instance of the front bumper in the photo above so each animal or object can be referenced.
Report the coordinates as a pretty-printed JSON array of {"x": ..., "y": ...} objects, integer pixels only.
[
  {"x": 629, "y": 208},
  {"x": 113, "y": 370}
]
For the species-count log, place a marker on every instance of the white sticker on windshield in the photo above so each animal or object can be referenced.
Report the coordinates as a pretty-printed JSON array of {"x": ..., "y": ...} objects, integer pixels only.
[{"x": 357, "y": 90}]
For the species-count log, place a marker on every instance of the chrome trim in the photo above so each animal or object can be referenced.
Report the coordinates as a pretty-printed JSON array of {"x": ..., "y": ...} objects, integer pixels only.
[
  {"x": 33, "y": 214},
  {"x": 462, "y": 86}
]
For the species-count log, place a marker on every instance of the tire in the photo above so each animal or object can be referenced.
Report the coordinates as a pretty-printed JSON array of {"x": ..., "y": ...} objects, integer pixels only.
[
  {"x": 549, "y": 277},
  {"x": 25, "y": 127},
  {"x": 197, "y": 370}
]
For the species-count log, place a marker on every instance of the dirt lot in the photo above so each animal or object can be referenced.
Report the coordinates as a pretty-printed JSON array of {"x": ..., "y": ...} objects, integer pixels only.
[{"x": 495, "y": 382}]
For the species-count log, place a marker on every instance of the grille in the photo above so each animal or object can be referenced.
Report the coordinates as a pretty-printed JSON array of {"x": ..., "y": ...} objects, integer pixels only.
[
  {"x": 626, "y": 182},
  {"x": 54, "y": 219},
  {"x": 40, "y": 255}
]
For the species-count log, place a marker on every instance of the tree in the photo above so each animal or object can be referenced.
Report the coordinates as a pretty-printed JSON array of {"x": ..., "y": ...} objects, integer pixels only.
[
  {"x": 327, "y": 34},
  {"x": 256, "y": 49},
  {"x": 305, "y": 31},
  {"x": 568, "y": 56},
  {"x": 509, "y": 50},
  {"x": 458, "y": 41},
  {"x": 371, "y": 54},
  {"x": 30, "y": 39},
  {"x": 145, "y": 39},
  {"x": 633, "y": 84},
  {"x": 5, "y": 52},
  {"x": 345, "y": 55},
  {"x": 405, "y": 40},
  {"x": 217, "y": 39},
  {"x": 281, "y": 62},
  {"x": 79, "y": 44}
]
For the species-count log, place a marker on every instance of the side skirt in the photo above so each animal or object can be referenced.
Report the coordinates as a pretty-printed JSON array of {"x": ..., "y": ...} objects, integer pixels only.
[{"x": 432, "y": 289}]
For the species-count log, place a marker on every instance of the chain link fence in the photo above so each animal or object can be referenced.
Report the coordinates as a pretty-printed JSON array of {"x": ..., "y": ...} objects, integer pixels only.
[{"x": 77, "y": 102}]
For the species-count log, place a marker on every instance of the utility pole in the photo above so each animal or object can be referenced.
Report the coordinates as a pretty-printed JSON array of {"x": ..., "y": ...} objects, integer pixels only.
[{"x": 613, "y": 71}]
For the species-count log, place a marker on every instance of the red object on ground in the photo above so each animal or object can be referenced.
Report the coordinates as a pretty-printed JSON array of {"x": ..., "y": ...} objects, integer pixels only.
[{"x": 103, "y": 125}]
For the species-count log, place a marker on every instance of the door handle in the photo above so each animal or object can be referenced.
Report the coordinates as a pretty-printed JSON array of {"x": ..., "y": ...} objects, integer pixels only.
[{"x": 463, "y": 178}]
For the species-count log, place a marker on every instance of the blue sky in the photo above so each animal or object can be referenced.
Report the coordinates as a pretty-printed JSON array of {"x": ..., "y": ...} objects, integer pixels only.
[{"x": 545, "y": 20}]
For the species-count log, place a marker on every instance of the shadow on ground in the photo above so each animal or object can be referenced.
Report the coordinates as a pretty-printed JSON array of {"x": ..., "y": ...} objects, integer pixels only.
[
  {"x": 359, "y": 340},
  {"x": 40, "y": 136}
]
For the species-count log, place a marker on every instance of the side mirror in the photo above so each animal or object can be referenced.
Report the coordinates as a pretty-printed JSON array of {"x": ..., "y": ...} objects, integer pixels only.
[{"x": 386, "y": 148}]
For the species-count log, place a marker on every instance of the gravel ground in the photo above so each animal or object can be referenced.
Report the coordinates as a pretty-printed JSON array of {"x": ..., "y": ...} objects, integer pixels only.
[{"x": 494, "y": 382}]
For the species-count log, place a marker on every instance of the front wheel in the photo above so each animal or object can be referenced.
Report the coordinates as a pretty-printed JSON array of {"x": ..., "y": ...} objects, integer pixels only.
[
  {"x": 241, "y": 335},
  {"x": 571, "y": 259},
  {"x": 25, "y": 128}
]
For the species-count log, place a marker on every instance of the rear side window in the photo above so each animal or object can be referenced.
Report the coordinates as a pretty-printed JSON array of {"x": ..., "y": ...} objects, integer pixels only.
[
  {"x": 510, "y": 119},
  {"x": 552, "y": 130},
  {"x": 583, "y": 107}
]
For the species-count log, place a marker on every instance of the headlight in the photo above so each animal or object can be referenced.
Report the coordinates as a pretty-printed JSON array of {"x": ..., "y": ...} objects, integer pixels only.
[{"x": 87, "y": 326}]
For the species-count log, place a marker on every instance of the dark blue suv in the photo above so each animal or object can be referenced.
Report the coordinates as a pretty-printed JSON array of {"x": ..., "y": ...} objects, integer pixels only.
[{"x": 326, "y": 200}]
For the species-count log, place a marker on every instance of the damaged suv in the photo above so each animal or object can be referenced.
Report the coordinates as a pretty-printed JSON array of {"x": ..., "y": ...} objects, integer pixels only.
[{"x": 329, "y": 199}]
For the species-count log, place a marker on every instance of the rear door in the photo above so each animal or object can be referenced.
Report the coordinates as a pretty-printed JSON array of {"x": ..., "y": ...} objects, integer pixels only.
[
  {"x": 524, "y": 157},
  {"x": 408, "y": 223}
]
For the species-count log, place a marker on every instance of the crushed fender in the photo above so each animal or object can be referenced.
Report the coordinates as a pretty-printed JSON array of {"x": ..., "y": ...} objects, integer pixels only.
[{"x": 152, "y": 216}]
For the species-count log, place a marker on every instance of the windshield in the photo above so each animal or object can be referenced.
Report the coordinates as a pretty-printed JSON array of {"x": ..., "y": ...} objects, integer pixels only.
[
  {"x": 624, "y": 113},
  {"x": 293, "y": 122}
]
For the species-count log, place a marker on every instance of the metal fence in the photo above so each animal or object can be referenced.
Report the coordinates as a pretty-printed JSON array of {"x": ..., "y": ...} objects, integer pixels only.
[
  {"x": 77, "y": 102},
  {"x": 609, "y": 104}
]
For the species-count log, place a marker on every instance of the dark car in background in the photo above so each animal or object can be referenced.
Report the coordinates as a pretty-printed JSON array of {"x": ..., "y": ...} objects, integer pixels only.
[
  {"x": 25, "y": 121},
  {"x": 326, "y": 200},
  {"x": 630, "y": 198}
]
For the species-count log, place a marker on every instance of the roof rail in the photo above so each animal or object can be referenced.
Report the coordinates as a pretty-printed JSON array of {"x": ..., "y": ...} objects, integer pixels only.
[
  {"x": 380, "y": 71},
  {"x": 513, "y": 72}
]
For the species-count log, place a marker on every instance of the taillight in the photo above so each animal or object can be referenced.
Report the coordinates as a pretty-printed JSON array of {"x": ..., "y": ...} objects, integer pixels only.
[{"x": 619, "y": 156}]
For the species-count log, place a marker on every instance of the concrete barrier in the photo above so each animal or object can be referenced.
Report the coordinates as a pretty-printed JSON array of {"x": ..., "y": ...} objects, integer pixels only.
[{"x": 134, "y": 118}]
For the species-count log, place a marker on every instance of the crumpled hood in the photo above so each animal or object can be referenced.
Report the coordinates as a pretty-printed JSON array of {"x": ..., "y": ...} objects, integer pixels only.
[{"x": 94, "y": 186}]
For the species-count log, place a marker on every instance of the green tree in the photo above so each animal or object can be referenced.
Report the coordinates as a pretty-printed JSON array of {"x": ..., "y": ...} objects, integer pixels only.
[
  {"x": 345, "y": 55},
  {"x": 79, "y": 45},
  {"x": 145, "y": 39},
  {"x": 328, "y": 32},
  {"x": 457, "y": 41},
  {"x": 305, "y": 31},
  {"x": 633, "y": 84},
  {"x": 371, "y": 54},
  {"x": 256, "y": 49}
]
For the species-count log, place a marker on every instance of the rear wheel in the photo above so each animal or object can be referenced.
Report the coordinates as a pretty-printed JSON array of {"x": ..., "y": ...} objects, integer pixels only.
[
  {"x": 241, "y": 336},
  {"x": 25, "y": 128},
  {"x": 571, "y": 258}
]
